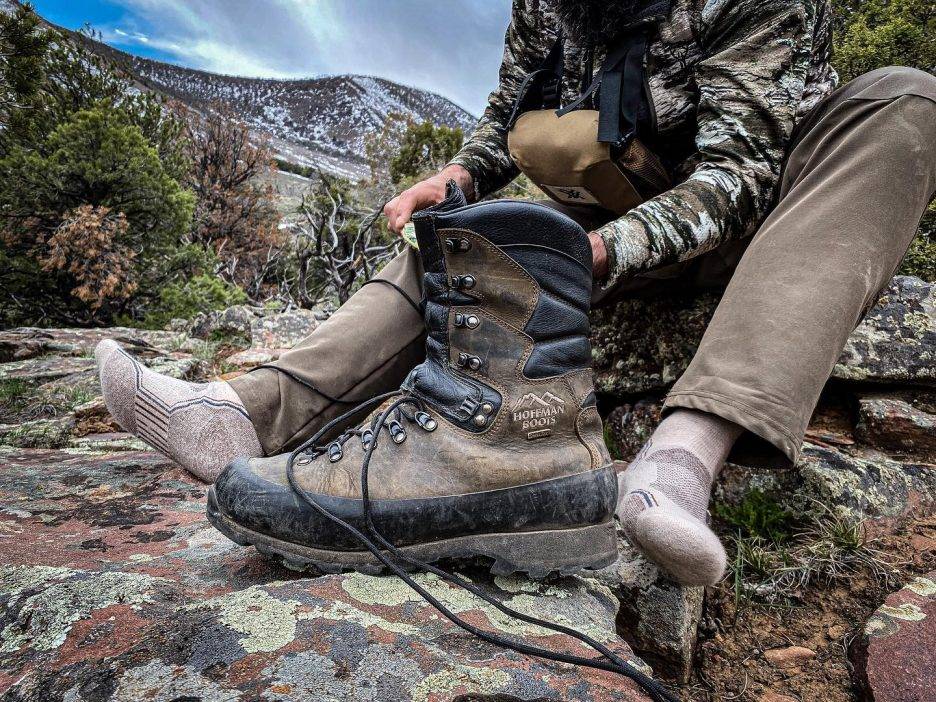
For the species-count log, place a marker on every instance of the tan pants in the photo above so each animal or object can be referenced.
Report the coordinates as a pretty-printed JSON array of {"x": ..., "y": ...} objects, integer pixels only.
[{"x": 859, "y": 175}]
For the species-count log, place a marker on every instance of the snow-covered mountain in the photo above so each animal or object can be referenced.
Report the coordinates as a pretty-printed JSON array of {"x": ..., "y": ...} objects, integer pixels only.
[{"x": 320, "y": 122}]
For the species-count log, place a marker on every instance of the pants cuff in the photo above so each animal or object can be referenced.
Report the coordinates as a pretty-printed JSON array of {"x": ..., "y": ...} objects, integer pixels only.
[
  {"x": 262, "y": 396},
  {"x": 766, "y": 442}
]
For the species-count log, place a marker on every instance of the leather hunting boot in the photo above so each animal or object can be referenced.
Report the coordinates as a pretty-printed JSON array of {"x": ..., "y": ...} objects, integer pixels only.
[{"x": 492, "y": 448}]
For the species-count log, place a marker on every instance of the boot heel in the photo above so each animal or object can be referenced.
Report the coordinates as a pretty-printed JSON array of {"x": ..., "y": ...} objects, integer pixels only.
[{"x": 541, "y": 553}]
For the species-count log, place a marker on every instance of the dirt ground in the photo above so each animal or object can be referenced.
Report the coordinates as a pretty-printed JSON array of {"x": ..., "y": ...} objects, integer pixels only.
[{"x": 826, "y": 618}]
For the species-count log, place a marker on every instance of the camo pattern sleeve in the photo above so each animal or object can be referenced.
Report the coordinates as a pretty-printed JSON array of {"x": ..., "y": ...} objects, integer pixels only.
[
  {"x": 485, "y": 154},
  {"x": 751, "y": 78}
]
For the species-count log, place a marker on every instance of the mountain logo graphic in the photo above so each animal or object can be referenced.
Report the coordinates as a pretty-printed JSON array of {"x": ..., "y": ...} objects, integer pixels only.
[{"x": 532, "y": 401}]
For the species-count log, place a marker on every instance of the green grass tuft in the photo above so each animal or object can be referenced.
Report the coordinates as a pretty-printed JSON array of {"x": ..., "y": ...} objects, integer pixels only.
[{"x": 758, "y": 516}]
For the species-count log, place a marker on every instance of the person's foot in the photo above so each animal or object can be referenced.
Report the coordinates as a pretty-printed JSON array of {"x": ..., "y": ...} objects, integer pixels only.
[
  {"x": 201, "y": 426},
  {"x": 664, "y": 495}
]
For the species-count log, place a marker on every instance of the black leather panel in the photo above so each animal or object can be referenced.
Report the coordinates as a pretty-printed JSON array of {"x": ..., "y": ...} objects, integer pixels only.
[
  {"x": 274, "y": 510},
  {"x": 504, "y": 222},
  {"x": 557, "y": 274},
  {"x": 554, "y": 318},
  {"x": 559, "y": 324},
  {"x": 447, "y": 392},
  {"x": 558, "y": 356}
]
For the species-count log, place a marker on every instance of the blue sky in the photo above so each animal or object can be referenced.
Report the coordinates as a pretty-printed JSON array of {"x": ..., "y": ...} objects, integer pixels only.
[{"x": 452, "y": 47}]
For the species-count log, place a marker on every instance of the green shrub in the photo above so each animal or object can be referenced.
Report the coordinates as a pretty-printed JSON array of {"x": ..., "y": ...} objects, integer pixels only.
[
  {"x": 875, "y": 33},
  {"x": 185, "y": 299},
  {"x": 424, "y": 148},
  {"x": 872, "y": 34},
  {"x": 89, "y": 215}
]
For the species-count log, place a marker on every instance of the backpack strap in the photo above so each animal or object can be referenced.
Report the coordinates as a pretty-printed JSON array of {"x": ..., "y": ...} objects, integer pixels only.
[
  {"x": 541, "y": 89},
  {"x": 623, "y": 106}
]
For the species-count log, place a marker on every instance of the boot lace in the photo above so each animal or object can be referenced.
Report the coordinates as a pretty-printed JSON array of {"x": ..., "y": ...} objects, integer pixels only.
[
  {"x": 409, "y": 408},
  {"x": 399, "y": 415}
]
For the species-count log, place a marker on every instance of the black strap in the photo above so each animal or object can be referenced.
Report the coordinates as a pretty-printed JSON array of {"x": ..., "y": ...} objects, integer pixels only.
[
  {"x": 623, "y": 108},
  {"x": 542, "y": 88}
]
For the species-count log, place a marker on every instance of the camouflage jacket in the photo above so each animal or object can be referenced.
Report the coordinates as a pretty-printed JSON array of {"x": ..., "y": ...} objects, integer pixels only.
[{"x": 728, "y": 79}]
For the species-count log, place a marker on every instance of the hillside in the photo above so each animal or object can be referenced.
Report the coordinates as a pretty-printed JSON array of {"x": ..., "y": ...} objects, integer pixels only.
[{"x": 320, "y": 121}]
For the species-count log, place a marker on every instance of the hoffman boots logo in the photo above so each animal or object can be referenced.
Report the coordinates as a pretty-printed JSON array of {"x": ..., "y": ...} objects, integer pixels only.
[{"x": 537, "y": 413}]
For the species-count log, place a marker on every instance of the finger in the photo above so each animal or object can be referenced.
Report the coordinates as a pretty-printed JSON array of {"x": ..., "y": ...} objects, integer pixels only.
[
  {"x": 389, "y": 209},
  {"x": 405, "y": 208}
]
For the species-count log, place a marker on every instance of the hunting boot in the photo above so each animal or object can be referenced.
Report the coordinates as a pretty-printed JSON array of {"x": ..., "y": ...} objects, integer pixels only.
[{"x": 493, "y": 447}]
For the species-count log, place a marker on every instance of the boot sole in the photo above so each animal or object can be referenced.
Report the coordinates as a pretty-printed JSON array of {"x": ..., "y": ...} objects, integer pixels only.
[{"x": 537, "y": 554}]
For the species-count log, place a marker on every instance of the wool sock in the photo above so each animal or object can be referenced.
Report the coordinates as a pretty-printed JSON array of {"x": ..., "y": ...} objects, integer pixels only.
[
  {"x": 201, "y": 426},
  {"x": 665, "y": 491}
]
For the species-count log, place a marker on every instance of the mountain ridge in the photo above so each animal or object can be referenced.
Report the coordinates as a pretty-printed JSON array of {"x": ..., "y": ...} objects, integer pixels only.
[{"x": 320, "y": 122}]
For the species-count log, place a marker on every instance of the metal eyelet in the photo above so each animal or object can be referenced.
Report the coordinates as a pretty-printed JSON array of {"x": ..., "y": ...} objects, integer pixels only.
[
  {"x": 463, "y": 282},
  {"x": 487, "y": 408},
  {"x": 397, "y": 432},
  {"x": 457, "y": 245},
  {"x": 425, "y": 421},
  {"x": 304, "y": 460},
  {"x": 479, "y": 420},
  {"x": 367, "y": 436},
  {"x": 468, "y": 361},
  {"x": 335, "y": 452},
  {"x": 470, "y": 321}
]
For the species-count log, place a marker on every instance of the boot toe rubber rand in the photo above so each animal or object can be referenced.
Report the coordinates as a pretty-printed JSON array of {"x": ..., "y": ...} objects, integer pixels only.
[
  {"x": 252, "y": 511},
  {"x": 494, "y": 448}
]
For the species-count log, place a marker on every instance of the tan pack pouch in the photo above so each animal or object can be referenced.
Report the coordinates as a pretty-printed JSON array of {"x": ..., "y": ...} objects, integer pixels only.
[{"x": 563, "y": 157}]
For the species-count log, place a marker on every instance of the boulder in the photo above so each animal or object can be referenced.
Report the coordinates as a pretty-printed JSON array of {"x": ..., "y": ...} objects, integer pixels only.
[
  {"x": 895, "y": 655},
  {"x": 896, "y": 342},
  {"x": 628, "y": 427},
  {"x": 233, "y": 323},
  {"x": 45, "y": 368},
  {"x": 658, "y": 617},
  {"x": 29, "y": 342},
  {"x": 251, "y": 358},
  {"x": 39, "y": 433},
  {"x": 861, "y": 485},
  {"x": 116, "y": 588},
  {"x": 282, "y": 330},
  {"x": 900, "y": 424},
  {"x": 641, "y": 345},
  {"x": 856, "y": 483}
]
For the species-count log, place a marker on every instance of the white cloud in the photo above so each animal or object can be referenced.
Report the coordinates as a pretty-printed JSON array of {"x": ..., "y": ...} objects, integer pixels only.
[{"x": 451, "y": 47}]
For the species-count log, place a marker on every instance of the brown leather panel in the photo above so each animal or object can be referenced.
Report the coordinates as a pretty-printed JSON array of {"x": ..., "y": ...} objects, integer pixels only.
[
  {"x": 502, "y": 286},
  {"x": 590, "y": 431},
  {"x": 444, "y": 462}
]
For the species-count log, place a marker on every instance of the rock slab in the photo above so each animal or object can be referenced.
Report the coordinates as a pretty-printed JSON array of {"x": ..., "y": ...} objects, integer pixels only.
[
  {"x": 658, "y": 617},
  {"x": 114, "y": 587},
  {"x": 895, "y": 657},
  {"x": 896, "y": 342}
]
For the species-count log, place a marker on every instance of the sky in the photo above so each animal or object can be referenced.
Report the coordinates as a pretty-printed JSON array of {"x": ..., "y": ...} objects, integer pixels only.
[{"x": 451, "y": 47}]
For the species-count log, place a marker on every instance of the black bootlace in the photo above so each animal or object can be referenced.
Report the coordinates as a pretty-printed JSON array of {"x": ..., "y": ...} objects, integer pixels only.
[{"x": 392, "y": 558}]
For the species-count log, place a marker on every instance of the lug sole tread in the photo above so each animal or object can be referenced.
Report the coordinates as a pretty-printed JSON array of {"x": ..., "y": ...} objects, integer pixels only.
[{"x": 582, "y": 547}]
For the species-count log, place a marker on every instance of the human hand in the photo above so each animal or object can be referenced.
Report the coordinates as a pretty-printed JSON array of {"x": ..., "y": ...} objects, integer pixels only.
[{"x": 425, "y": 193}]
